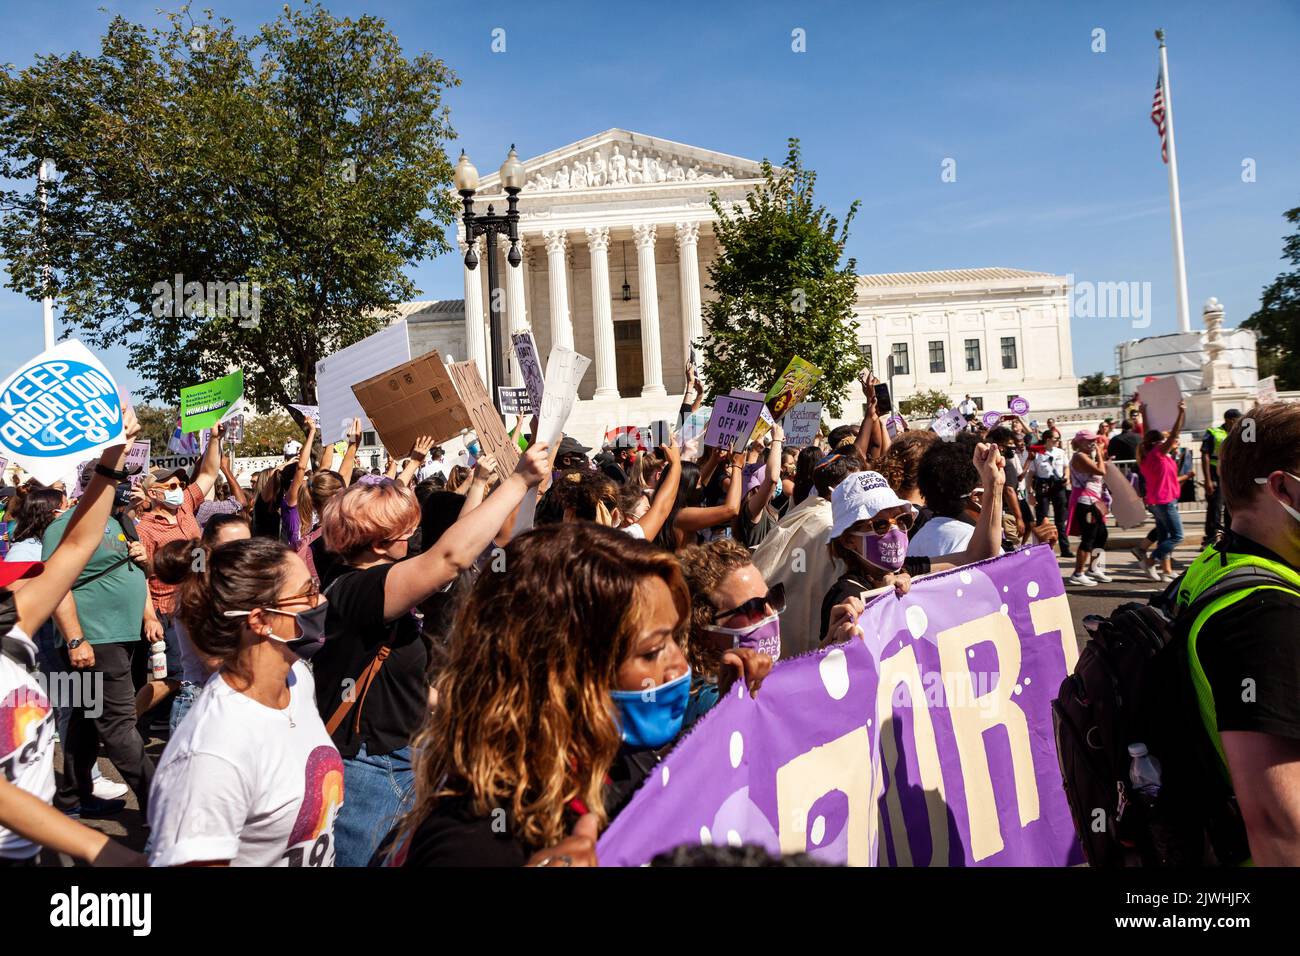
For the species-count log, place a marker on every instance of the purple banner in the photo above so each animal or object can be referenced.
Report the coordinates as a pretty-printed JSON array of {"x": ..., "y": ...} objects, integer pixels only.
[{"x": 928, "y": 742}]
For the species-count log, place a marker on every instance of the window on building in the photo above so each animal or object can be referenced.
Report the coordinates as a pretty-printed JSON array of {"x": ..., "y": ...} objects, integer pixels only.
[
  {"x": 1008, "y": 351},
  {"x": 899, "y": 353},
  {"x": 866, "y": 356},
  {"x": 368, "y": 439},
  {"x": 1010, "y": 399},
  {"x": 973, "y": 355},
  {"x": 936, "y": 357},
  {"x": 979, "y": 401}
]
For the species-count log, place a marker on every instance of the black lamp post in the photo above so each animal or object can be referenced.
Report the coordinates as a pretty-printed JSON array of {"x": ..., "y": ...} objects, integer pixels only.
[{"x": 491, "y": 225}]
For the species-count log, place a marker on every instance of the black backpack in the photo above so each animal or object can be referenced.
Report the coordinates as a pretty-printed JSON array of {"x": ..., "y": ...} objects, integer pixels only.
[{"x": 1131, "y": 684}]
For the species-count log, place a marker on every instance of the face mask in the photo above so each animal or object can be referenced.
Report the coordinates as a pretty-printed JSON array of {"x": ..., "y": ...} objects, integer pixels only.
[
  {"x": 886, "y": 551},
  {"x": 765, "y": 636},
  {"x": 174, "y": 497},
  {"x": 652, "y": 717},
  {"x": 311, "y": 624},
  {"x": 1289, "y": 510}
]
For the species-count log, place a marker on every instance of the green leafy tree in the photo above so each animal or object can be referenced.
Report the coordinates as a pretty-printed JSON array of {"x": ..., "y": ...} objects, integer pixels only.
[
  {"x": 1277, "y": 321},
  {"x": 782, "y": 288},
  {"x": 267, "y": 434},
  {"x": 1098, "y": 383},
  {"x": 157, "y": 424},
  {"x": 925, "y": 404},
  {"x": 294, "y": 171}
]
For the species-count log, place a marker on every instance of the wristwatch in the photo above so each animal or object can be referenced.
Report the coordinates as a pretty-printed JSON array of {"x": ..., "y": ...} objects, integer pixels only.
[
  {"x": 75, "y": 643},
  {"x": 121, "y": 475}
]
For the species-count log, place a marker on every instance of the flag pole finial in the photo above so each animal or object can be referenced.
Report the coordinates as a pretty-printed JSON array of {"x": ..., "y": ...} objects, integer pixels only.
[{"x": 1160, "y": 35}]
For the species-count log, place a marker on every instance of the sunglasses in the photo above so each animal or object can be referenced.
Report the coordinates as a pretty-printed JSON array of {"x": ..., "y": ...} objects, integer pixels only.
[
  {"x": 775, "y": 599},
  {"x": 881, "y": 526}
]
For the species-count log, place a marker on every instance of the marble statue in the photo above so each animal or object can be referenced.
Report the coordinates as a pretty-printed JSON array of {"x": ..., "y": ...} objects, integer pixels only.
[
  {"x": 596, "y": 169},
  {"x": 634, "y": 176},
  {"x": 562, "y": 177},
  {"x": 579, "y": 177},
  {"x": 617, "y": 168},
  {"x": 675, "y": 172}
]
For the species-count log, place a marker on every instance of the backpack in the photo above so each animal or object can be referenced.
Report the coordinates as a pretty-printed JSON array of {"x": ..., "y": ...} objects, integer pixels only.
[{"x": 1131, "y": 684}]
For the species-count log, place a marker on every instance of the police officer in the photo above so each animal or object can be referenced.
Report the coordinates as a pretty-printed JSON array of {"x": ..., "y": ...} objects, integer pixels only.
[{"x": 1214, "y": 513}]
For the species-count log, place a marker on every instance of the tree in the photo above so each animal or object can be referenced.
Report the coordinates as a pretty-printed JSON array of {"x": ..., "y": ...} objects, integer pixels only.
[
  {"x": 282, "y": 180},
  {"x": 780, "y": 288},
  {"x": 925, "y": 404},
  {"x": 267, "y": 434},
  {"x": 157, "y": 425},
  {"x": 1277, "y": 321},
  {"x": 1098, "y": 383}
]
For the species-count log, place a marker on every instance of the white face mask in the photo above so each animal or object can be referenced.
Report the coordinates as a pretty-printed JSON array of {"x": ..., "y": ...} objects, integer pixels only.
[{"x": 174, "y": 497}]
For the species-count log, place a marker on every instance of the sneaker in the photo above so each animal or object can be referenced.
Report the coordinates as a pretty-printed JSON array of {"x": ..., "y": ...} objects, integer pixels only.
[
  {"x": 1167, "y": 578},
  {"x": 1098, "y": 575},
  {"x": 106, "y": 789},
  {"x": 1081, "y": 579},
  {"x": 1152, "y": 571}
]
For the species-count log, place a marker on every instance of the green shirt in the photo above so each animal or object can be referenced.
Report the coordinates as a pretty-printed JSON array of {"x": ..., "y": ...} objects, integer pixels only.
[{"x": 111, "y": 607}]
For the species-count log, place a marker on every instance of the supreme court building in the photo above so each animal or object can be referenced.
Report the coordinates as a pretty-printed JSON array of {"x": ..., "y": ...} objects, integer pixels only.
[{"x": 616, "y": 233}]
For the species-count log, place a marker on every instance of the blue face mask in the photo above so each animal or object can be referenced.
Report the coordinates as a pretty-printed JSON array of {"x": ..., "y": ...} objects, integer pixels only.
[{"x": 652, "y": 717}]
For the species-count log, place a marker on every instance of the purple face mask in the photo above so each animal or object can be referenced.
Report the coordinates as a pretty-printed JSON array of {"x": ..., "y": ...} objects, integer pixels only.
[
  {"x": 765, "y": 636},
  {"x": 886, "y": 551}
]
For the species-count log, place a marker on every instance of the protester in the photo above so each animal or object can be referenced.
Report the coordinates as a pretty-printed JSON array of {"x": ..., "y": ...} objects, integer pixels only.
[
  {"x": 27, "y": 755},
  {"x": 757, "y": 516},
  {"x": 371, "y": 674},
  {"x": 950, "y": 483},
  {"x": 1247, "y": 638},
  {"x": 1123, "y": 446},
  {"x": 1216, "y": 518},
  {"x": 1161, "y": 476},
  {"x": 317, "y": 492},
  {"x": 250, "y": 778},
  {"x": 796, "y": 558},
  {"x": 690, "y": 515},
  {"x": 1087, "y": 508},
  {"x": 228, "y": 497},
  {"x": 869, "y": 534},
  {"x": 266, "y": 503},
  {"x": 900, "y": 466},
  {"x": 735, "y": 622},
  {"x": 1049, "y": 469},
  {"x": 562, "y": 649},
  {"x": 803, "y": 472},
  {"x": 967, "y": 408},
  {"x": 573, "y": 454}
]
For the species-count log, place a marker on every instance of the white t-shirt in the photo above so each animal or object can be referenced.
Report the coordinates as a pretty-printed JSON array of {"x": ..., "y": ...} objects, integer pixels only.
[
  {"x": 244, "y": 782},
  {"x": 941, "y": 536},
  {"x": 635, "y": 531},
  {"x": 28, "y": 550},
  {"x": 26, "y": 741},
  {"x": 1051, "y": 464},
  {"x": 968, "y": 407}
]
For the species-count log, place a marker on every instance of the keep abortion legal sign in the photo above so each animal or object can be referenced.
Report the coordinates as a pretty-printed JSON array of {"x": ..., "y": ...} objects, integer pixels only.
[{"x": 58, "y": 409}]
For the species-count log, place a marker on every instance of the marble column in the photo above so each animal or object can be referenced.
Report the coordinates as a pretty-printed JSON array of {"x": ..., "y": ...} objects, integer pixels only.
[
  {"x": 602, "y": 314},
  {"x": 651, "y": 359},
  {"x": 475, "y": 340},
  {"x": 515, "y": 308},
  {"x": 688, "y": 268},
  {"x": 561, "y": 328}
]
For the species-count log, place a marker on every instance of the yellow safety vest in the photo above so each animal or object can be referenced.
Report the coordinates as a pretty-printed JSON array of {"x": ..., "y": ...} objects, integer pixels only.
[
  {"x": 1219, "y": 435},
  {"x": 1209, "y": 567}
]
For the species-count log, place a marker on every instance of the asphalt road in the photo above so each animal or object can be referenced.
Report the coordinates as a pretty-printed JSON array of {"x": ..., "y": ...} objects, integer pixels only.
[{"x": 1130, "y": 584}]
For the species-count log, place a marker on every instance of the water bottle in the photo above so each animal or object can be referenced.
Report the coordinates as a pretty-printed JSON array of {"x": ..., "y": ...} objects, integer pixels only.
[
  {"x": 1143, "y": 773},
  {"x": 158, "y": 660}
]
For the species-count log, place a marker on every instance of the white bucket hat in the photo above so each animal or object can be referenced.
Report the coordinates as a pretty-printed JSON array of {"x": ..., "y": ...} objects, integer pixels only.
[{"x": 863, "y": 494}]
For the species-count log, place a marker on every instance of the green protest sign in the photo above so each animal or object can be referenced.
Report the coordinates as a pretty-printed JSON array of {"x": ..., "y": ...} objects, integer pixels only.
[{"x": 203, "y": 405}]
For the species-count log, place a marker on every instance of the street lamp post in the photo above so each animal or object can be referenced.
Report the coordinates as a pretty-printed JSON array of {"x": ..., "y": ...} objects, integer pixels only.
[{"x": 492, "y": 224}]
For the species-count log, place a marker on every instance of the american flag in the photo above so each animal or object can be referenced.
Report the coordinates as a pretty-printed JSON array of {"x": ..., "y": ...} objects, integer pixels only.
[{"x": 1158, "y": 117}]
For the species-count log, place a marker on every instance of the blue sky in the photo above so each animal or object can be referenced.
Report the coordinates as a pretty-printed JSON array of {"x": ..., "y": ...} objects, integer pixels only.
[{"x": 1058, "y": 164}]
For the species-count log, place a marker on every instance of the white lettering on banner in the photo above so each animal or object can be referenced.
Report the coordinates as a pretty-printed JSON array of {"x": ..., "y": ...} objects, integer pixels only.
[{"x": 564, "y": 370}]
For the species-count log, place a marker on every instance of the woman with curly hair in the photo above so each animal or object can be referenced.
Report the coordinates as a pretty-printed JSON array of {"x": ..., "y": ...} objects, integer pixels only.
[
  {"x": 901, "y": 465},
  {"x": 543, "y": 725}
]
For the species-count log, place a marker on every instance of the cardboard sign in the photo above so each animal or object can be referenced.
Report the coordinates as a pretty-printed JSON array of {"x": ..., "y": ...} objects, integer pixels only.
[
  {"x": 58, "y": 409},
  {"x": 487, "y": 424},
  {"x": 514, "y": 400},
  {"x": 1125, "y": 504},
  {"x": 1161, "y": 397},
  {"x": 732, "y": 421},
  {"x": 137, "y": 460},
  {"x": 790, "y": 389},
  {"x": 415, "y": 398},
  {"x": 335, "y": 375},
  {"x": 564, "y": 370},
  {"x": 802, "y": 423},
  {"x": 207, "y": 403},
  {"x": 948, "y": 424},
  {"x": 530, "y": 366}
]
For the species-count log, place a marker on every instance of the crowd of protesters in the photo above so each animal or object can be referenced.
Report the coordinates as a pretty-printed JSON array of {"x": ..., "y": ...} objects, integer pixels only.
[{"x": 362, "y": 669}]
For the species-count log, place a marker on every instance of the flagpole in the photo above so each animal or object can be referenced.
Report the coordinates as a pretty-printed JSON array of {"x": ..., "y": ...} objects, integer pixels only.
[
  {"x": 1175, "y": 206},
  {"x": 47, "y": 303}
]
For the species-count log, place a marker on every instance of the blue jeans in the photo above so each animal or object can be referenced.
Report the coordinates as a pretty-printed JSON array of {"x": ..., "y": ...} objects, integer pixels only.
[
  {"x": 185, "y": 698},
  {"x": 1170, "y": 528},
  {"x": 376, "y": 789}
]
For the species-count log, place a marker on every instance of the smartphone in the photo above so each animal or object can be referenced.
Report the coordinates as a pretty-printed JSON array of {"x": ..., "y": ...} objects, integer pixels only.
[{"x": 883, "y": 405}]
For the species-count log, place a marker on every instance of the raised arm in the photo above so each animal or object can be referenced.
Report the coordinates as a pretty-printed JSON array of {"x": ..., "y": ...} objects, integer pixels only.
[
  {"x": 697, "y": 519},
  {"x": 236, "y": 492},
  {"x": 205, "y": 476},
  {"x": 862, "y": 444},
  {"x": 418, "y": 453},
  {"x": 304, "y": 465},
  {"x": 986, "y": 542},
  {"x": 36, "y": 601},
  {"x": 1168, "y": 444},
  {"x": 411, "y": 581},
  {"x": 666, "y": 494},
  {"x": 755, "y": 503},
  {"x": 484, "y": 469}
]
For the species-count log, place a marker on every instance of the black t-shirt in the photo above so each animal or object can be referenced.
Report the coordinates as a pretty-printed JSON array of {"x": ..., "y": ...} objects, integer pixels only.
[
  {"x": 1123, "y": 446},
  {"x": 852, "y": 584},
  {"x": 398, "y": 699},
  {"x": 451, "y": 835},
  {"x": 1252, "y": 650}
]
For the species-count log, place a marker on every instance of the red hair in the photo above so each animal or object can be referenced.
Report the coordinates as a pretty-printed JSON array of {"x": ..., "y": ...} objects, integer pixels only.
[{"x": 366, "y": 515}]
